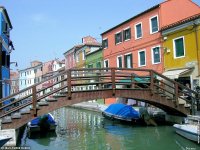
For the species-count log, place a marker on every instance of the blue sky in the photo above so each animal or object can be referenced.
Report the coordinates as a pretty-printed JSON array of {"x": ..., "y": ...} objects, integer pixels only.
[{"x": 45, "y": 29}]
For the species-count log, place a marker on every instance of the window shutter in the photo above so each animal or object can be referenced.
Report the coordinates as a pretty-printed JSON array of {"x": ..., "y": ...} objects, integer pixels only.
[
  {"x": 115, "y": 38},
  {"x": 3, "y": 58},
  {"x": 125, "y": 61},
  {"x": 124, "y": 35},
  {"x": 129, "y": 31},
  {"x": 8, "y": 61},
  {"x": 131, "y": 60}
]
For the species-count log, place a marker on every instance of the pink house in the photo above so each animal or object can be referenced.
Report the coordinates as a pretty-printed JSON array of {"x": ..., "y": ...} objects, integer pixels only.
[
  {"x": 137, "y": 42},
  {"x": 69, "y": 57}
]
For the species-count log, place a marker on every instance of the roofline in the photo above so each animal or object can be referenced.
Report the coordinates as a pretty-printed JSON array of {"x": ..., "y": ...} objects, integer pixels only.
[
  {"x": 100, "y": 49},
  {"x": 146, "y": 11},
  {"x": 31, "y": 67},
  {"x": 6, "y": 13},
  {"x": 185, "y": 20}
]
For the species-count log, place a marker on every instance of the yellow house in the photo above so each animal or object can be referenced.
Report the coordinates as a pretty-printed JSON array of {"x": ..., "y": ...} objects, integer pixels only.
[{"x": 181, "y": 49}]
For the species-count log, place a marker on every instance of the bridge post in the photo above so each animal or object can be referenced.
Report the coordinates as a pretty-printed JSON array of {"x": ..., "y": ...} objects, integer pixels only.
[
  {"x": 69, "y": 84},
  {"x": 113, "y": 80},
  {"x": 176, "y": 93},
  {"x": 132, "y": 81},
  {"x": 34, "y": 99},
  {"x": 151, "y": 82}
]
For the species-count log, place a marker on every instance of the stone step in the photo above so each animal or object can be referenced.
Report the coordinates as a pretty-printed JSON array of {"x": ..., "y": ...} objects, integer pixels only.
[
  {"x": 58, "y": 96},
  {"x": 6, "y": 119},
  {"x": 25, "y": 111},
  {"x": 51, "y": 99},
  {"x": 43, "y": 103},
  {"x": 37, "y": 107},
  {"x": 16, "y": 115}
]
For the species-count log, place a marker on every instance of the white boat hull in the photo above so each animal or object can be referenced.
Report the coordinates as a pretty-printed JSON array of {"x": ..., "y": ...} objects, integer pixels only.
[{"x": 188, "y": 131}]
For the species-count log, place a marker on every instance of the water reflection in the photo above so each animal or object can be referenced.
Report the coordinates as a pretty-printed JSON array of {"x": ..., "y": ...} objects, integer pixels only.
[{"x": 85, "y": 130}]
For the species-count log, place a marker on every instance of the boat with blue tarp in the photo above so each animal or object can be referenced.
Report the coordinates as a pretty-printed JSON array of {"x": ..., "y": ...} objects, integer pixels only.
[
  {"x": 43, "y": 123},
  {"x": 121, "y": 112}
]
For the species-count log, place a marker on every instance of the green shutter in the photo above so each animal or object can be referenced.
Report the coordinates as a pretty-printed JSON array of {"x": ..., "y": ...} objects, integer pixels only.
[{"x": 179, "y": 47}]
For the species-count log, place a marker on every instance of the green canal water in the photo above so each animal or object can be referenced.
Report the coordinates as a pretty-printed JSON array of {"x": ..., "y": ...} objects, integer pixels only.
[{"x": 85, "y": 130}]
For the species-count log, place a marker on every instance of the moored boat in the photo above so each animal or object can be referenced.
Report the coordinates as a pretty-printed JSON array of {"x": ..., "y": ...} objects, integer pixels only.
[
  {"x": 121, "y": 112},
  {"x": 44, "y": 123},
  {"x": 189, "y": 130}
]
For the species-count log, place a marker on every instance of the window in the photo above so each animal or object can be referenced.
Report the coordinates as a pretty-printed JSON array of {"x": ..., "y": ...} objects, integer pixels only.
[
  {"x": 142, "y": 58},
  {"x": 128, "y": 63},
  {"x": 105, "y": 43},
  {"x": 118, "y": 37},
  {"x": 98, "y": 64},
  {"x": 83, "y": 54},
  {"x": 155, "y": 52},
  {"x": 138, "y": 31},
  {"x": 179, "y": 49},
  {"x": 127, "y": 34},
  {"x": 90, "y": 66},
  {"x": 106, "y": 63},
  {"x": 119, "y": 62},
  {"x": 154, "y": 24},
  {"x": 77, "y": 57}
]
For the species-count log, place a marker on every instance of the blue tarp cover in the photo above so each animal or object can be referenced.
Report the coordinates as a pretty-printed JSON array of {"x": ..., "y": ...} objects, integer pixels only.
[
  {"x": 122, "y": 110},
  {"x": 37, "y": 120}
]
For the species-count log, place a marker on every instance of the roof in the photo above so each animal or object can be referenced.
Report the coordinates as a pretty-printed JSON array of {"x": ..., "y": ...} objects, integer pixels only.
[
  {"x": 181, "y": 22},
  {"x": 100, "y": 49},
  {"x": 73, "y": 48},
  {"x": 146, "y": 11},
  {"x": 5, "y": 12},
  {"x": 31, "y": 67}
]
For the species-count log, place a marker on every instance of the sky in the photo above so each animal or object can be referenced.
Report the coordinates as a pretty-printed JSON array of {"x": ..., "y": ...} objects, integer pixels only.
[{"x": 44, "y": 29}]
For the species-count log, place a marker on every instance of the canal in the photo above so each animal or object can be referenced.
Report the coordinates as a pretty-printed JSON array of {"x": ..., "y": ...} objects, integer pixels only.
[{"x": 86, "y": 130}]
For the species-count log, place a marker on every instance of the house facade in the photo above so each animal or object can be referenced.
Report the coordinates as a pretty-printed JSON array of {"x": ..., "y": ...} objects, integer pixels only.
[
  {"x": 137, "y": 42},
  {"x": 94, "y": 59},
  {"x": 14, "y": 82},
  {"x": 6, "y": 48},
  {"x": 182, "y": 50},
  {"x": 30, "y": 76}
]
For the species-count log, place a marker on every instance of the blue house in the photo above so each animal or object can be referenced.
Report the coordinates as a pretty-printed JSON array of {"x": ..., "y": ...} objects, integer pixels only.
[{"x": 6, "y": 48}]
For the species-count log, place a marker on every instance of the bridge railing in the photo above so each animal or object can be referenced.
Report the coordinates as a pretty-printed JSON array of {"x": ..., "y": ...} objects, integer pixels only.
[{"x": 80, "y": 80}]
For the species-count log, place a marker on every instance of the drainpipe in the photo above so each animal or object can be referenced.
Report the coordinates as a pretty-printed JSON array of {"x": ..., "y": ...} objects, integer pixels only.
[{"x": 198, "y": 50}]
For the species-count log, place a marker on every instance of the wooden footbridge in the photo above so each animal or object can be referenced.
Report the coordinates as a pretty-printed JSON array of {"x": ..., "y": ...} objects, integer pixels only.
[{"x": 78, "y": 85}]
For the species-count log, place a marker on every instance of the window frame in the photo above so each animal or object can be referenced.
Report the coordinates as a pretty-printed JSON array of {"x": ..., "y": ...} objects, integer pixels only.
[
  {"x": 125, "y": 64},
  {"x": 139, "y": 65},
  {"x": 104, "y": 62},
  {"x": 136, "y": 38},
  {"x": 150, "y": 24},
  {"x": 120, "y": 56},
  {"x": 105, "y": 39},
  {"x": 126, "y": 29},
  {"x": 120, "y": 33},
  {"x": 152, "y": 54},
  {"x": 174, "y": 47}
]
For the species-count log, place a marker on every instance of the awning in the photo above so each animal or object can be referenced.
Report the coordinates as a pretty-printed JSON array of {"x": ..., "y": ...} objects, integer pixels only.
[{"x": 174, "y": 74}]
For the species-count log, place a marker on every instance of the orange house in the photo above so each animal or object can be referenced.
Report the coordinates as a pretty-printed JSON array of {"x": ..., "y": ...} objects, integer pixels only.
[{"x": 137, "y": 42}]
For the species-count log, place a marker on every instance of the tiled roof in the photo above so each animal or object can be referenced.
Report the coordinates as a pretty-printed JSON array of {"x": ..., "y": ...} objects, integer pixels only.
[
  {"x": 146, "y": 11},
  {"x": 181, "y": 22}
]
